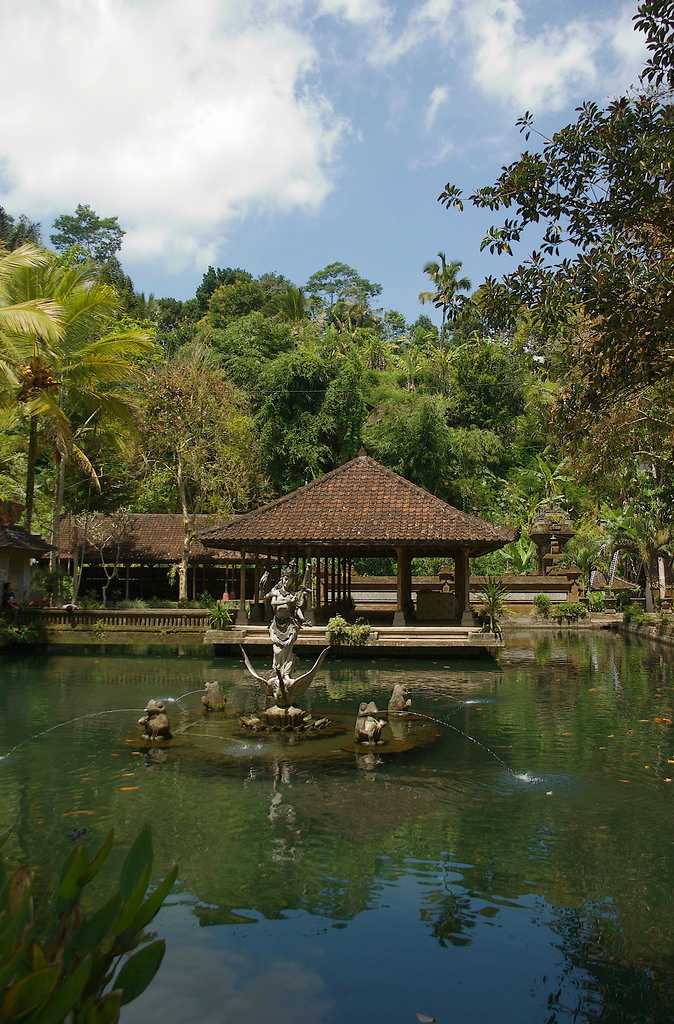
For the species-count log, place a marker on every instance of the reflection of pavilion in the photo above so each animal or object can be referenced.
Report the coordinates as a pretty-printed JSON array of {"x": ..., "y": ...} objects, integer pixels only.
[{"x": 362, "y": 509}]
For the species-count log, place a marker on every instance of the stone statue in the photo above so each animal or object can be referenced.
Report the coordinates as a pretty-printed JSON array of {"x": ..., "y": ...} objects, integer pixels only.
[
  {"x": 287, "y": 599},
  {"x": 213, "y": 699},
  {"x": 368, "y": 726},
  {"x": 155, "y": 721},
  {"x": 399, "y": 699}
]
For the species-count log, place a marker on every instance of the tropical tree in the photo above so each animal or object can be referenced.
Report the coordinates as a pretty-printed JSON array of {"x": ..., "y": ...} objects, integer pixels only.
[
  {"x": 98, "y": 238},
  {"x": 647, "y": 534},
  {"x": 199, "y": 443},
  {"x": 520, "y": 556},
  {"x": 80, "y": 380},
  {"x": 338, "y": 282},
  {"x": 16, "y": 231},
  {"x": 601, "y": 191},
  {"x": 26, "y": 324},
  {"x": 447, "y": 286}
]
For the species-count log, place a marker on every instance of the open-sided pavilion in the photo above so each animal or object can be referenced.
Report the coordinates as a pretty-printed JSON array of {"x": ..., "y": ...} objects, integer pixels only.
[{"x": 361, "y": 509}]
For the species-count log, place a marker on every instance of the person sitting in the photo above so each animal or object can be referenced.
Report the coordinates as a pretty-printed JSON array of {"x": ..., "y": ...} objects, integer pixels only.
[{"x": 10, "y": 605}]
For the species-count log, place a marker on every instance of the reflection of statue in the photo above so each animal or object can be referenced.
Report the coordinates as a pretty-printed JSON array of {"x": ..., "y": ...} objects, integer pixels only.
[
  {"x": 213, "y": 699},
  {"x": 368, "y": 727},
  {"x": 287, "y": 600},
  {"x": 155, "y": 721}
]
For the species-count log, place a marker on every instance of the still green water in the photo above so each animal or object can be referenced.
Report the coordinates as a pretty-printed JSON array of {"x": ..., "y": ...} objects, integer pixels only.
[{"x": 437, "y": 883}]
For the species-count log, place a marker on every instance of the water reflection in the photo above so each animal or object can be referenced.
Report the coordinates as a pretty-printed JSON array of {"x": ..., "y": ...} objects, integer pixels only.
[{"x": 439, "y": 868}]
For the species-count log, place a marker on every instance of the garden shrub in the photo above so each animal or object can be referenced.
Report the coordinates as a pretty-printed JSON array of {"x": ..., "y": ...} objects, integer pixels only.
[
  {"x": 221, "y": 616},
  {"x": 339, "y": 632},
  {"x": 597, "y": 600},
  {"x": 17, "y": 636},
  {"x": 569, "y": 611},
  {"x": 542, "y": 604},
  {"x": 632, "y": 613}
]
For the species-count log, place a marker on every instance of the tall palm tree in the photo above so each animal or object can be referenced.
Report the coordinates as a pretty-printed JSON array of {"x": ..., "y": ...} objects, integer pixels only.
[
  {"x": 84, "y": 377},
  {"x": 26, "y": 322},
  {"x": 446, "y": 285},
  {"x": 31, "y": 318},
  {"x": 644, "y": 535}
]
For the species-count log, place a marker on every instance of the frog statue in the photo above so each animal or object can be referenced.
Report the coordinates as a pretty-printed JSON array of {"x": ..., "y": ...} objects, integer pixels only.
[
  {"x": 155, "y": 721},
  {"x": 399, "y": 699},
  {"x": 369, "y": 727},
  {"x": 212, "y": 698}
]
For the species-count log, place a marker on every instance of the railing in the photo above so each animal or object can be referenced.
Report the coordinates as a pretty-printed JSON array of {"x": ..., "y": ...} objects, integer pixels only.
[{"x": 140, "y": 619}]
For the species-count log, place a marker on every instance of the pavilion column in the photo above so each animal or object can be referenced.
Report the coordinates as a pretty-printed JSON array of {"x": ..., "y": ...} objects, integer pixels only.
[
  {"x": 241, "y": 619},
  {"x": 464, "y": 614},
  {"x": 256, "y": 610},
  {"x": 325, "y": 582},
  {"x": 404, "y": 588},
  {"x": 309, "y": 606}
]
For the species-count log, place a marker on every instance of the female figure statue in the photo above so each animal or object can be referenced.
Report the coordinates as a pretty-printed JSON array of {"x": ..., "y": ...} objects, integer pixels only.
[{"x": 286, "y": 602}]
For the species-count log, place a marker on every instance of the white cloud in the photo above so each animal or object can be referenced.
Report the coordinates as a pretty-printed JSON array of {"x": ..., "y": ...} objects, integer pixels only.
[
  {"x": 438, "y": 97},
  {"x": 630, "y": 49},
  {"x": 532, "y": 70},
  {"x": 177, "y": 117},
  {"x": 429, "y": 20},
  {"x": 360, "y": 12}
]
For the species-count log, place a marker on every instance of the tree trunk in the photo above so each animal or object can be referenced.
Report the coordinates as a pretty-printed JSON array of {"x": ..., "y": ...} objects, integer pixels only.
[
  {"x": 30, "y": 473},
  {"x": 648, "y": 587},
  {"x": 56, "y": 513},
  {"x": 187, "y": 532}
]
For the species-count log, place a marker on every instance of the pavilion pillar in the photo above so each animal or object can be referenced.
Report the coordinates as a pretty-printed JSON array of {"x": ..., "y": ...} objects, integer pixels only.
[
  {"x": 241, "y": 619},
  {"x": 309, "y": 606},
  {"x": 256, "y": 609},
  {"x": 464, "y": 614},
  {"x": 403, "y": 612}
]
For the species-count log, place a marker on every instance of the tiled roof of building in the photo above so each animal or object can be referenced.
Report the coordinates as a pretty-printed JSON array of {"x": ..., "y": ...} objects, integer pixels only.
[
  {"x": 360, "y": 505},
  {"x": 147, "y": 538},
  {"x": 17, "y": 537}
]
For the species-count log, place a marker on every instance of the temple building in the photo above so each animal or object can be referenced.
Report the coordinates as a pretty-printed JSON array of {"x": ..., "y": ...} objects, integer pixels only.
[
  {"x": 19, "y": 551},
  {"x": 361, "y": 509}
]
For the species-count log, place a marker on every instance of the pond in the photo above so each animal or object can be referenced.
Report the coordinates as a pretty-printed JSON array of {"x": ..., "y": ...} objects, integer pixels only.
[{"x": 437, "y": 882}]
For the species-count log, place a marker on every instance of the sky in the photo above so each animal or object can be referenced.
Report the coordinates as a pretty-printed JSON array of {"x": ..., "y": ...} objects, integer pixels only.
[{"x": 286, "y": 134}]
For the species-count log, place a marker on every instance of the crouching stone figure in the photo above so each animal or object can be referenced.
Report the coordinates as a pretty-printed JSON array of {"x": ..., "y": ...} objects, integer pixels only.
[
  {"x": 369, "y": 727},
  {"x": 212, "y": 698},
  {"x": 155, "y": 721}
]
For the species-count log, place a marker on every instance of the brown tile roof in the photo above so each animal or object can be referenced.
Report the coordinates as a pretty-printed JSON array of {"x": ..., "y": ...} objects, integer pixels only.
[
  {"x": 360, "y": 505},
  {"x": 17, "y": 537},
  {"x": 151, "y": 537}
]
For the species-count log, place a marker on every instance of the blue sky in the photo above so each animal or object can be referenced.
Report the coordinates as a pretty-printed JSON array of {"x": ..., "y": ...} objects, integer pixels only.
[{"x": 285, "y": 134}]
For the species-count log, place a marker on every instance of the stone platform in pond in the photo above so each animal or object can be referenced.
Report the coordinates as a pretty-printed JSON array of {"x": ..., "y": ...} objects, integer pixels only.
[{"x": 415, "y": 641}]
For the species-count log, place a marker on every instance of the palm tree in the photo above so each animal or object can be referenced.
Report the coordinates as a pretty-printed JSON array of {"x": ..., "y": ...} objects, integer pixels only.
[
  {"x": 80, "y": 379},
  {"x": 643, "y": 535},
  {"x": 25, "y": 322},
  {"x": 446, "y": 285}
]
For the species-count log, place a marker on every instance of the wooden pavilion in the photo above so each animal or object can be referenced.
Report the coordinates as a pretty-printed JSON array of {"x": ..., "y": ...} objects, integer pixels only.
[{"x": 361, "y": 509}]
